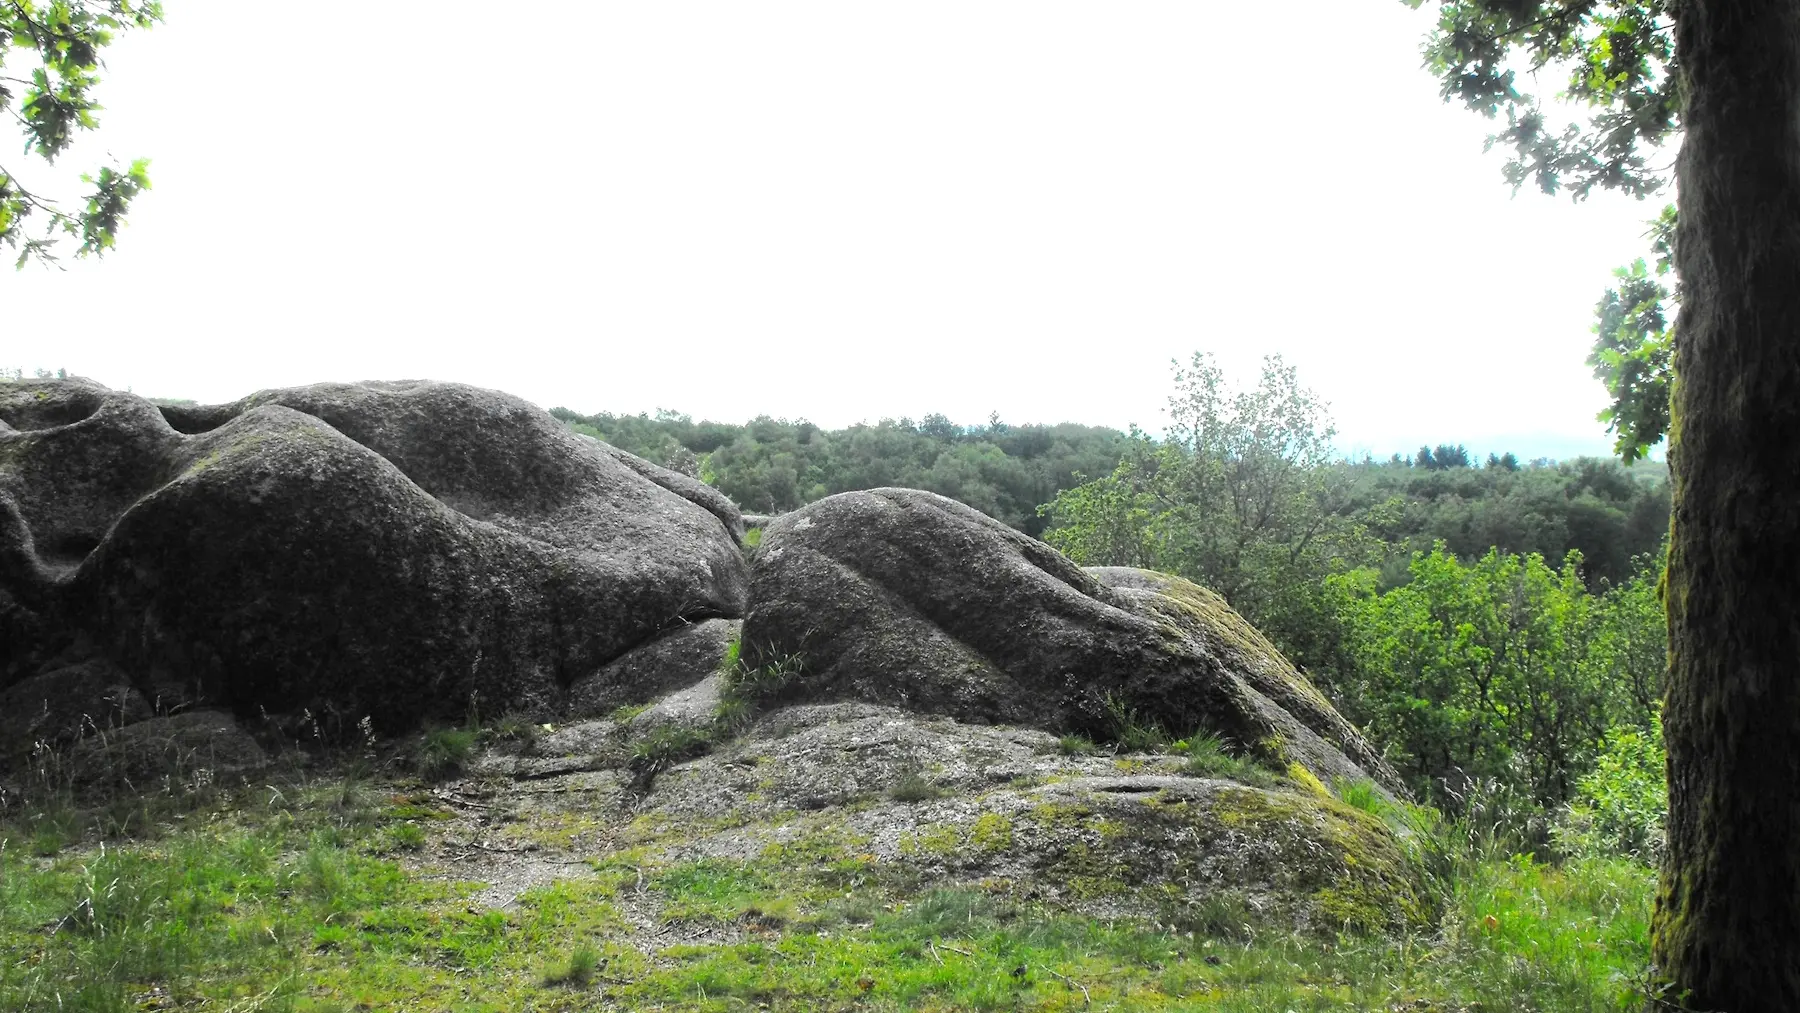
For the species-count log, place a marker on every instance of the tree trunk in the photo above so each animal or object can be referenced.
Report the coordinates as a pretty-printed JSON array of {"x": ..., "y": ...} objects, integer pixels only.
[{"x": 1727, "y": 924}]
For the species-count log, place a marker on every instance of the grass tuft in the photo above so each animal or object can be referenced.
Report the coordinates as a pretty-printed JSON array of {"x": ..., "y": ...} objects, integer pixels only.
[
  {"x": 1208, "y": 756},
  {"x": 1076, "y": 745},
  {"x": 762, "y": 683},
  {"x": 913, "y": 786},
  {"x": 443, "y": 752},
  {"x": 623, "y": 713},
  {"x": 1130, "y": 731},
  {"x": 576, "y": 972},
  {"x": 664, "y": 748},
  {"x": 1361, "y": 794}
]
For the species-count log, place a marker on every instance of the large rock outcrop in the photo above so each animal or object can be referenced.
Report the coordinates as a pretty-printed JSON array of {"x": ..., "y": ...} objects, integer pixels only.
[
  {"x": 907, "y": 598},
  {"x": 385, "y": 549}
]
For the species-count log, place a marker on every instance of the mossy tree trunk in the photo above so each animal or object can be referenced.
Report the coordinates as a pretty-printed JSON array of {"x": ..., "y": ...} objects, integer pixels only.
[{"x": 1727, "y": 925}]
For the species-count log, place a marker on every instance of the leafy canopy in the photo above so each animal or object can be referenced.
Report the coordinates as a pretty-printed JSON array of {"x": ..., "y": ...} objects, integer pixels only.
[
  {"x": 49, "y": 68},
  {"x": 1616, "y": 58},
  {"x": 1240, "y": 496}
]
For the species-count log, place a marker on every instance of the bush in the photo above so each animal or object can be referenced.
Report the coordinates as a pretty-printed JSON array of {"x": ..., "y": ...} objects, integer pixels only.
[{"x": 1620, "y": 806}]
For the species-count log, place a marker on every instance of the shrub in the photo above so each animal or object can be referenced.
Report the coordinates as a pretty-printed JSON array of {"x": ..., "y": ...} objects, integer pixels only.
[{"x": 1620, "y": 806}]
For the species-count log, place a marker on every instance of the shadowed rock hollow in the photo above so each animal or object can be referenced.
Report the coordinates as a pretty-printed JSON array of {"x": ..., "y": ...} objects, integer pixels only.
[{"x": 386, "y": 549}]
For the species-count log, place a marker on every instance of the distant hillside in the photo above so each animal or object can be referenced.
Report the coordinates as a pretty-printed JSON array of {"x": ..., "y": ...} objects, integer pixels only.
[
  {"x": 773, "y": 465},
  {"x": 1607, "y": 511}
]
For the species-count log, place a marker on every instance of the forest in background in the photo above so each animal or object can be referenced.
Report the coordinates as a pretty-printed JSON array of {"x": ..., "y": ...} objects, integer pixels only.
[{"x": 1495, "y": 625}]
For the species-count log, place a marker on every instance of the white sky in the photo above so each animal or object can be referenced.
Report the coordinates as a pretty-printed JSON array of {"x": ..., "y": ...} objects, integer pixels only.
[{"x": 837, "y": 211}]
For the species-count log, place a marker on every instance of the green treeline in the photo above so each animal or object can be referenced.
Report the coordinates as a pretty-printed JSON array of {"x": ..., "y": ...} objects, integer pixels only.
[
  {"x": 1493, "y": 625},
  {"x": 773, "y": 465}
]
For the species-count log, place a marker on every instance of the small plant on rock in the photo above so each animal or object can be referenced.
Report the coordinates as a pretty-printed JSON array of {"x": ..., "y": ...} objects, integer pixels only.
[
  {"x": 513, "y": 727},
  {"x": 765, "y": 682},
  {"x": 444, "y": 751},
  {"x": 1361, "y": 794},
  {"x": 732, "y": 715},
  {"x": 1130, "y": 731},
  {"x": 664, "y": 748},
  {"x": 1208, "y": 756},
  {"x": 913, "y": 786},
  {"x": 1076, "y": 745},
  {"x": 626, "y": 711}
]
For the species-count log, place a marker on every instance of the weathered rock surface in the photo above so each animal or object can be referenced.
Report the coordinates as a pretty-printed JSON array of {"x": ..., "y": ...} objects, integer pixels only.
[
  {"x": 681, "y": 658},
  {"x": 65, "y": 702},
  {"x": 1311, "y": 729},
  {"x": 907, "y": 598},
  {"x": 382, "y": 549},
  {"x": 937, "y": 802}
]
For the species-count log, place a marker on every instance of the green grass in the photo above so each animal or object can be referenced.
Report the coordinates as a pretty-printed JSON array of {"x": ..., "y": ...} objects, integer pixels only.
[
  {"x": 578, "y": 971},
  {"x": 1207, "y": 756},
  {"x": 444, "y": 751},
  {"x": 1361, "y": 794},
  {"x": 761, "y": 683},
  {"x": 665, "y": 747},
  {"x": 290, "y": 898},
  {"x": 1076, "y": 745},
  {"x": 626, "y": 711},
  {"x": 1131, "y": 732}
]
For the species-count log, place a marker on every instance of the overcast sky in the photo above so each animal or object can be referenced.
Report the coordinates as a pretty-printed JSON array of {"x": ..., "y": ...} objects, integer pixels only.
[{"x": 836, "y": 211}]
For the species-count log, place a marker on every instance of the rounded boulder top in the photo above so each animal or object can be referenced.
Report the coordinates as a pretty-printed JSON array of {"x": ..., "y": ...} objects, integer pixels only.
[
  {"x": 907, "y": 598},
  {"x": 396, "y": 550}
]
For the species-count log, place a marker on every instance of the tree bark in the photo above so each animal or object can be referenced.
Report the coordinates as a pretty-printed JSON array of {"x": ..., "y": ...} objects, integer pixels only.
[{"x": 1727, "y": 925}]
